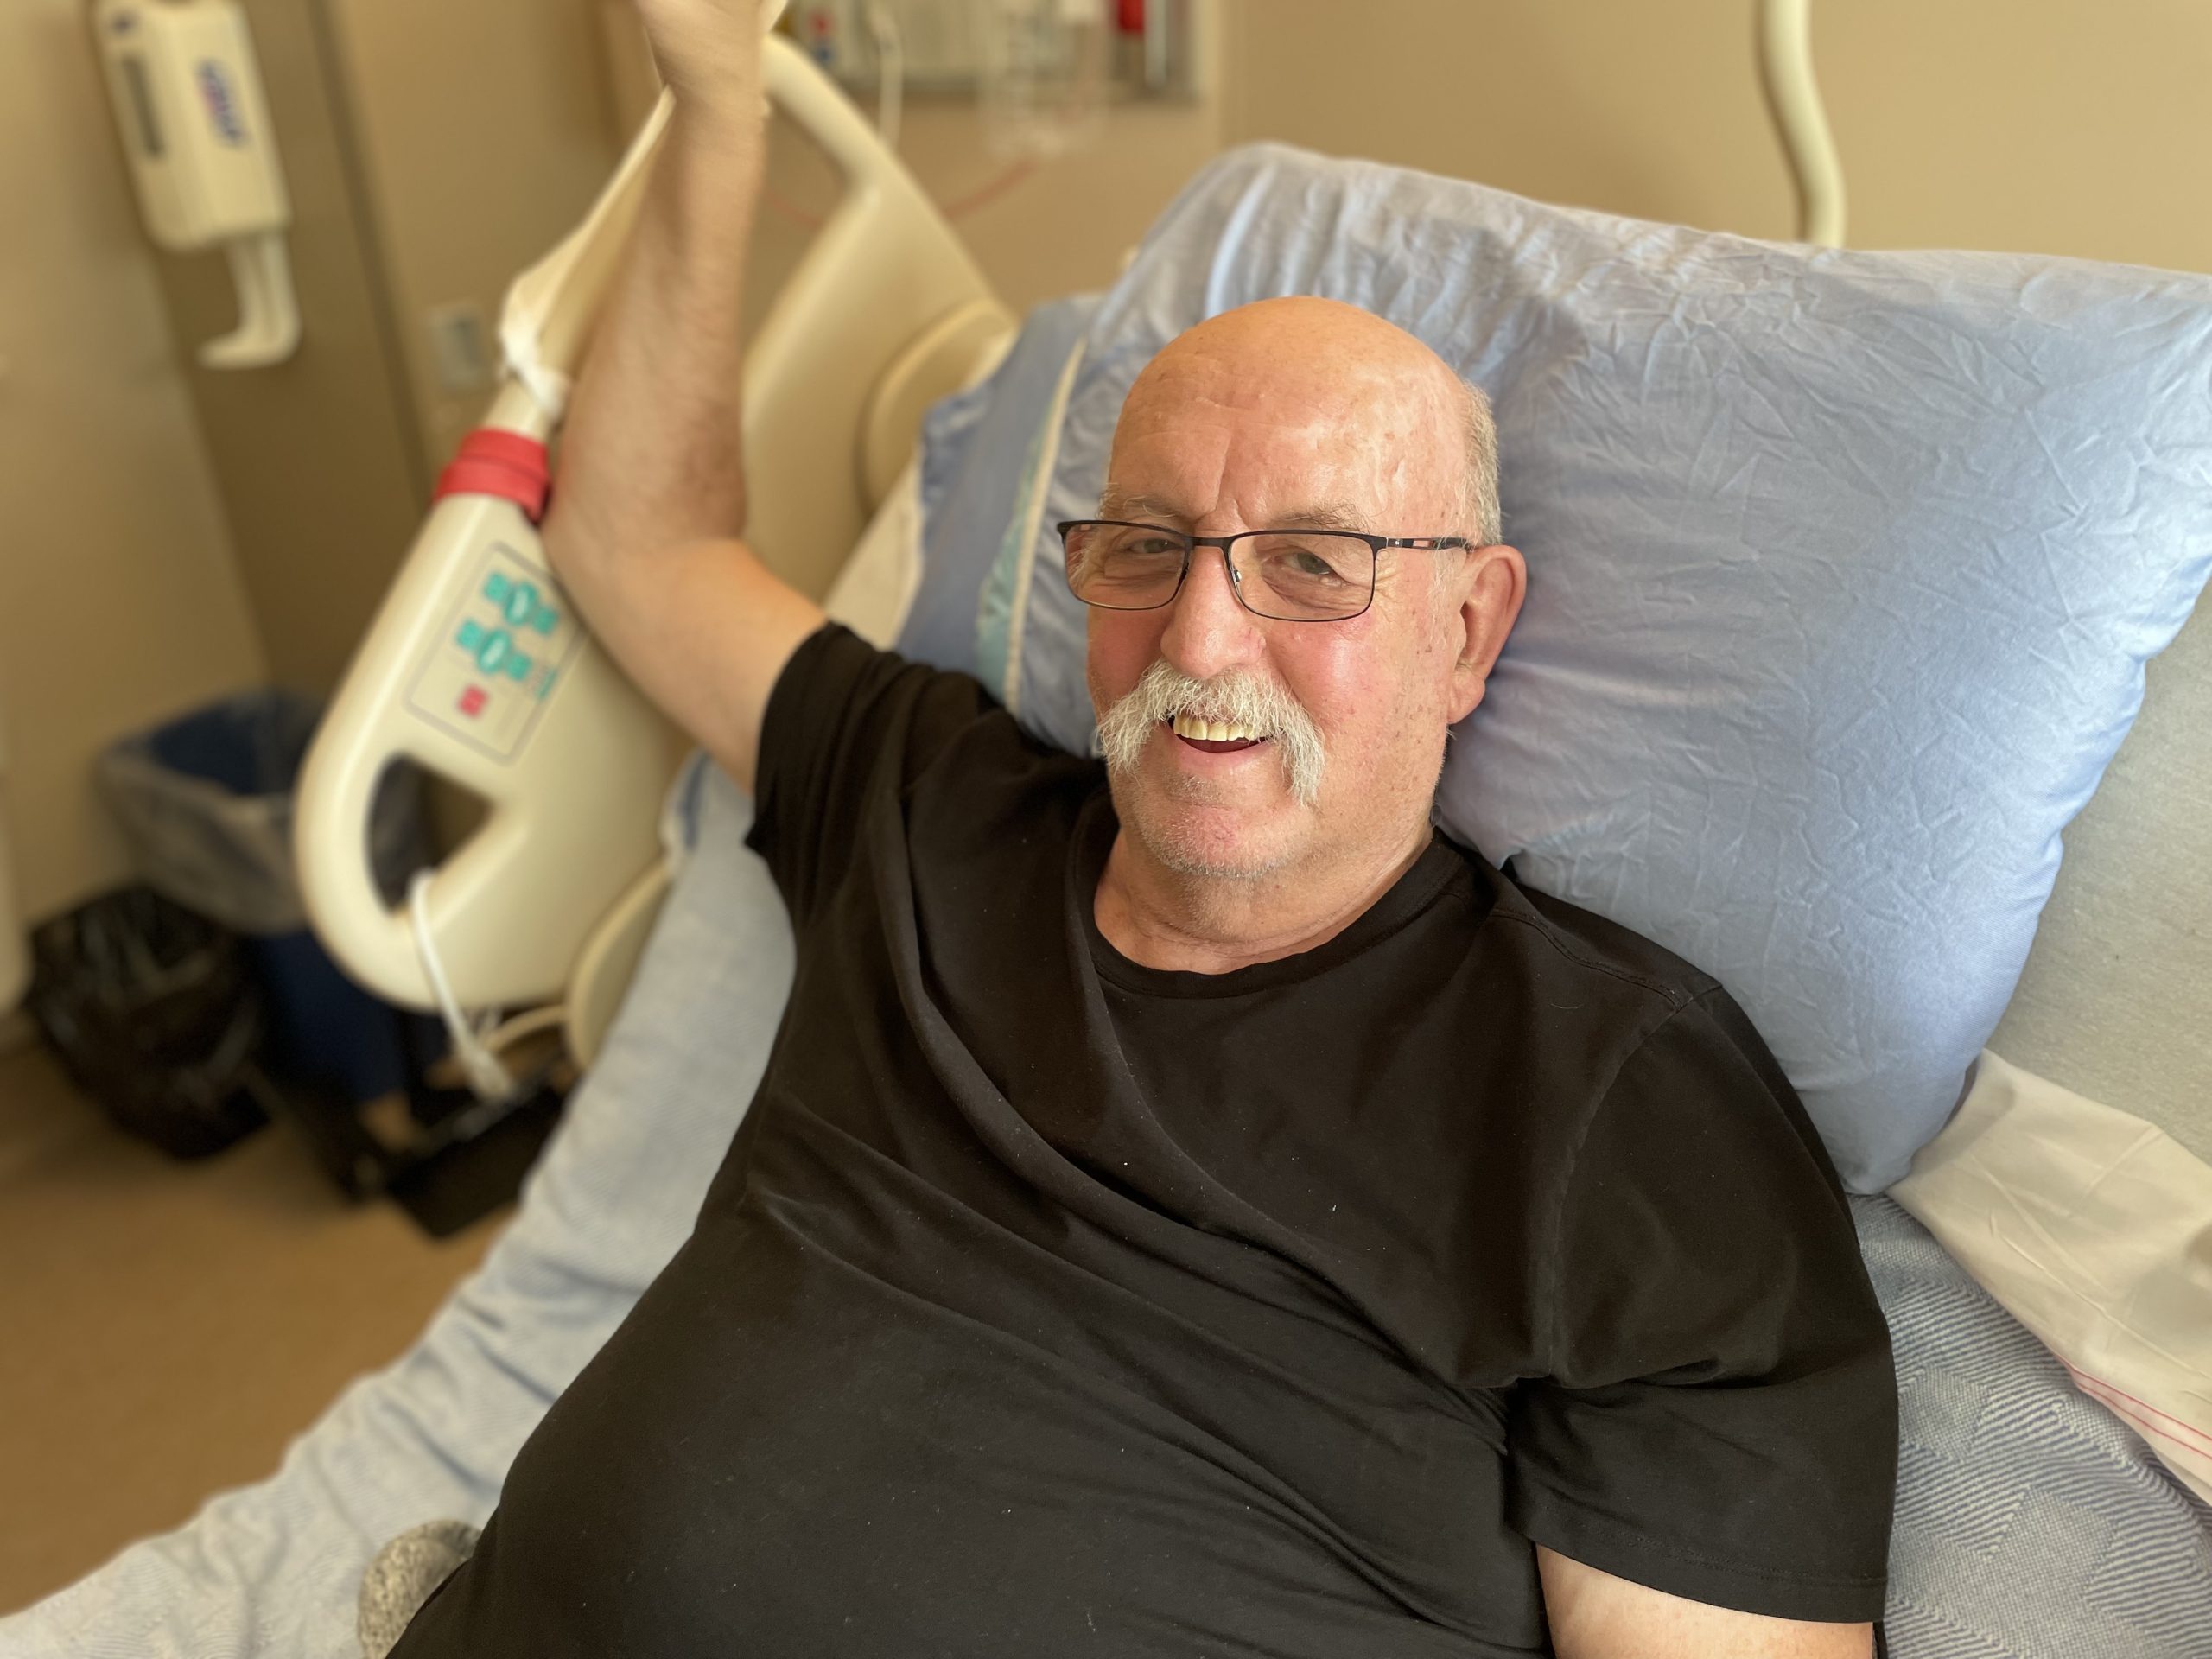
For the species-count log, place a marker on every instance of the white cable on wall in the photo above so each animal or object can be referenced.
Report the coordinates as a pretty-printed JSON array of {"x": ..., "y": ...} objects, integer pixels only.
[{"x": 1793, "y": 100}]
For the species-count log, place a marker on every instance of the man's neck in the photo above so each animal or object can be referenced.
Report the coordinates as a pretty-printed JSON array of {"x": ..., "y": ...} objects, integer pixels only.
[{"x": 1160, "y": 917}]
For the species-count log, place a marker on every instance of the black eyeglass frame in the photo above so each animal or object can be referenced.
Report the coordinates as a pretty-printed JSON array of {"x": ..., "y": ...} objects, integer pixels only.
[{"x": 1192, "y": 543}]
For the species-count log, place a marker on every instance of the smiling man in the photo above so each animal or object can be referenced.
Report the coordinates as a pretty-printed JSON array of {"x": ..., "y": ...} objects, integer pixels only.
[
  {"x": 1192, "y": 1208},
  {"x": 1273, "y": 703}
]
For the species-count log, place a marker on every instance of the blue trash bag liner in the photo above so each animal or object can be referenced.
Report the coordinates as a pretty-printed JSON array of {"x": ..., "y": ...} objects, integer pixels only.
[{"x": 206, "y": 802}]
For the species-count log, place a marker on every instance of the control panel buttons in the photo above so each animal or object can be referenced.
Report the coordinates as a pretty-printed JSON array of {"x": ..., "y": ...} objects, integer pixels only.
[
  {"x": 479, "y": 680},
  {"x": 521, "y": 604}
]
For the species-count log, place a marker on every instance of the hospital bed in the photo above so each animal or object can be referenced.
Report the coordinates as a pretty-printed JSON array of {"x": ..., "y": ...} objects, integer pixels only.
[{"x": 609, "y": 876}]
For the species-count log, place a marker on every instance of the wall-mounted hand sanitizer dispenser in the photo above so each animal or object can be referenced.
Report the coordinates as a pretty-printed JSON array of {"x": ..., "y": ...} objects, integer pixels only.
[{"x": 187, "y": 96}]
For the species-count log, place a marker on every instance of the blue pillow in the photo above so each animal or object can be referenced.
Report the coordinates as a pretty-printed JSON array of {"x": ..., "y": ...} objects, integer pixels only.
[
  {"x": 1843, "y": 569},
  {"x": 985, "y": 453}
]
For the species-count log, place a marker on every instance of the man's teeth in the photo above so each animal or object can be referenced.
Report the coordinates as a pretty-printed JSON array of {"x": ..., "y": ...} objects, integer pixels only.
[{"x": 1212, "y": 731}]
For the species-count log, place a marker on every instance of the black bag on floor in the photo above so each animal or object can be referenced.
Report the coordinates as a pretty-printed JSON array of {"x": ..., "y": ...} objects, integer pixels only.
[{"x": 154, "y": 1014}]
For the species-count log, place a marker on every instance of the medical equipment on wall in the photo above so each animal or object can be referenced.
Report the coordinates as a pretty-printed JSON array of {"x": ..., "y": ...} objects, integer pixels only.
[
  {"x": 1043, "y": 84},
  {"x": 187, "y": 98},
  {"x": 1041, "y": 72},
  {"x": 477, "y": 669}
]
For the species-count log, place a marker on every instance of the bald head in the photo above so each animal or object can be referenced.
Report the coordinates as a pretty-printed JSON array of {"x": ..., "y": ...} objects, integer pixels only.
[{"x": 1368, "y": 417}]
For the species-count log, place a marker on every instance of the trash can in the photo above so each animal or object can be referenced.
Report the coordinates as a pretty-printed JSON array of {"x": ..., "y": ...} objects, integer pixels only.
[
  {"x": 155, "y": 1012},
  {"x": 204, "y": 801}
]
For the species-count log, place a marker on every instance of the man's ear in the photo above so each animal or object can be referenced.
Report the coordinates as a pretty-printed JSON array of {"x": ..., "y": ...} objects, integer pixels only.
[{"x": 1498, "y": 583}]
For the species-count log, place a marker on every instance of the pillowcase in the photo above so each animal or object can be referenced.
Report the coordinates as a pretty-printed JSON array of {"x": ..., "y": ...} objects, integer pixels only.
[
  {"x": 1843, "y": 569},
  {"x": 987, "y": 455}
]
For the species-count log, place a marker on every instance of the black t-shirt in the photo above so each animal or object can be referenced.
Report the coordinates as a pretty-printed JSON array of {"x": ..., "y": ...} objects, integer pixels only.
[{"x": 1050, "y": 1303}]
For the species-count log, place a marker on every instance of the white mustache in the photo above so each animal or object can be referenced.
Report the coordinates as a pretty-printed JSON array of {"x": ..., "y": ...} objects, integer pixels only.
[{"x": 1236, "y": 696}]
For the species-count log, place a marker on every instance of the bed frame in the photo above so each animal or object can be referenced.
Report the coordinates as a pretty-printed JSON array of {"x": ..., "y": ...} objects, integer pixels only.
[{"x": 552, "y": 893}]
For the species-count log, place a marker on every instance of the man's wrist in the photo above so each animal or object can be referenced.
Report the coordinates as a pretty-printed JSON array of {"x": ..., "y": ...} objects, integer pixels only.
[{"x": 729, "y": 120}]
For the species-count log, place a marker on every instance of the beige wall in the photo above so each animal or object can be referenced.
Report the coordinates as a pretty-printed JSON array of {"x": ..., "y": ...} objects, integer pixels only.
[
  {"x": 119, "y": 601},
  {"x": 2037, "y": 125},
  {"x": 483, "y": 137},
  {"x": 1059, "y": 229},
  {"x": 2051, "y": 126},
  {"x": 431, "y": 150},
  {"x": 318, "y": 459},
  {"x": 1066, "y": 226},
  {"x": 168, "y": 533}
]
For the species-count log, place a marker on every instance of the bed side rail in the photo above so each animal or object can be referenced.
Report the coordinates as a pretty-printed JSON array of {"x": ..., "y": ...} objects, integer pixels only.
[{"x": 477, "y": 669}]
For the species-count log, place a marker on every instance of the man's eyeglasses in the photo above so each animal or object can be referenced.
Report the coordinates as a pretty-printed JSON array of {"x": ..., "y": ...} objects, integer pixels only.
[{"x": 1291, "y": 575}]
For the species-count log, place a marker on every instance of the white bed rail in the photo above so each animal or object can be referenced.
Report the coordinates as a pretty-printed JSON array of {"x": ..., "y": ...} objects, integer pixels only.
[
  {"x": 475, "y": 668},
  {"x": 1793, "y": 100}
]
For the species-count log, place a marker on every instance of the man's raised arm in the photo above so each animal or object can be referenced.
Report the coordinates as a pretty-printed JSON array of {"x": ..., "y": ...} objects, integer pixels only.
[{"x": 650, "y": 509}]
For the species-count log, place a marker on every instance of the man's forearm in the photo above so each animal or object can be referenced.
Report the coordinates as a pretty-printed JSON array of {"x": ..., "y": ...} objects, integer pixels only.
[
  {"x": 651, "y": 455},
  {"x": 649, "y": 503}
]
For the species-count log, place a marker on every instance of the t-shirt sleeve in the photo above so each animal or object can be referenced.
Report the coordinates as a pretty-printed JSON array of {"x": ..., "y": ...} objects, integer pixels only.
[
  {"x": 844, "y": 723},
  {"x": 1719, "y": 1418}
]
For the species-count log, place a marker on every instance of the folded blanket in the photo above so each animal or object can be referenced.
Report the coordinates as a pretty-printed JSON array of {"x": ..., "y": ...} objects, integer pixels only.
[{"x": 2093, "y": 1229}]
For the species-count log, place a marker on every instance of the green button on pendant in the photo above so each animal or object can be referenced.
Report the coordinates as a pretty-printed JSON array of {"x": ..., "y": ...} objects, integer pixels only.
[{"x": 494, "y": 652}]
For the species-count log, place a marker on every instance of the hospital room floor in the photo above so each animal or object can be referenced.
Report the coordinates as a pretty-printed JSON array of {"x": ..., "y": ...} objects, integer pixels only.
[{"x": 165, "y": 1328}]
